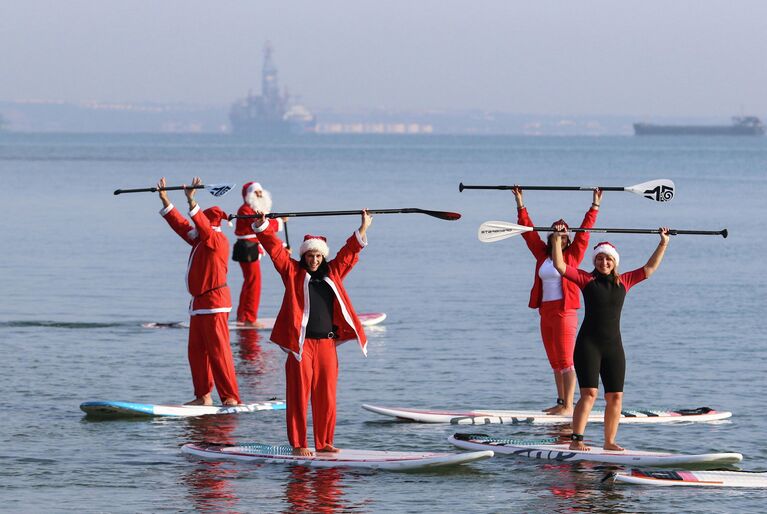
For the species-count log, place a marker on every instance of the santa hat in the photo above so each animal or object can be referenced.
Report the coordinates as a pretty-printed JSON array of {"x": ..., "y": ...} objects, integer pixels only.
[
  {"x": 249, "y": 188},
  {"x": 318, "y": 243},
  {"x": 215, "y": 215},
  {"x": 560, "y": 221},
  {"x": 607, "y": 249}
]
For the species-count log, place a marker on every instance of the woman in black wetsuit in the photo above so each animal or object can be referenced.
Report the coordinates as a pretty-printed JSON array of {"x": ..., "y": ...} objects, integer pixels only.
[{"x": 598, "y": 347}]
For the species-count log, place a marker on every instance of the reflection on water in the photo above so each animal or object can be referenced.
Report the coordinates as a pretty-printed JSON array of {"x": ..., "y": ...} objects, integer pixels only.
[{"x": 317, "y": 490}]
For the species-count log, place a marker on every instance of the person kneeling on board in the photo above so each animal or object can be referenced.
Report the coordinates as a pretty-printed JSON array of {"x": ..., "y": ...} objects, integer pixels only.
[
  {"x": 316, "y": 315},
  {"x": 598, "y": 347},
  {"x": 209, "y": 352}
]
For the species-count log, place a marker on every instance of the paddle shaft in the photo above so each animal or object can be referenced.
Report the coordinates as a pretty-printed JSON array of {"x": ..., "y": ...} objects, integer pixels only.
[
  {"x": 437, "y": 214},
  {"x": 461, "y": 187},
  {"x": 671, "y": 231},
  {"x": 287, "y": 239},
  {"x": 156, "y": 189}
]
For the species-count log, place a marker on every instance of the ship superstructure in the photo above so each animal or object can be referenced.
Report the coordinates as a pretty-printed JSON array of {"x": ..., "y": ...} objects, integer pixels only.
[
  {"x": 741, "y": 126},
  {"x": 271, "y": 113}
]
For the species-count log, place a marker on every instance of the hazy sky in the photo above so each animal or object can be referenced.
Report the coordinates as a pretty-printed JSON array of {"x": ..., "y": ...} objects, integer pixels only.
[{"x": 647, "y": 58}]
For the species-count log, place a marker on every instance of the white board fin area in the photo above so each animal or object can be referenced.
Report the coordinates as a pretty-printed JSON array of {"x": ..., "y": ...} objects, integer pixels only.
[
  {"x": 518, "y": 417},
  {"x": 745, "y": 479},
  {"x": 552, "y": 449},
  {"x": 368, "y": 459},
  {"x": 110, "y": 409}
]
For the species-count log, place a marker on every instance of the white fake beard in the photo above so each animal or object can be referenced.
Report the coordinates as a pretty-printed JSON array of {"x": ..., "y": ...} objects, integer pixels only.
[{"x": 263, "y": 204}]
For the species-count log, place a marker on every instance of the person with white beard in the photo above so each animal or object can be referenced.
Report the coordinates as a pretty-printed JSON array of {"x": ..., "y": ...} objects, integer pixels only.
[{"x": 248, "y": 252}]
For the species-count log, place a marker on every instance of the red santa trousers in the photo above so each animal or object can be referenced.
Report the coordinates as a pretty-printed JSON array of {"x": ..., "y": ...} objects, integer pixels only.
[
  {"x": 559, "y": 327},
  {"x": 250, "y": 295},
  {"x": 316, "y": 375},
  {"x": 210, "y": 356}
]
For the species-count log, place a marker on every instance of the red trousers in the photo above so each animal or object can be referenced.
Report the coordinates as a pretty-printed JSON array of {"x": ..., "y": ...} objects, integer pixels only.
[
  {"x": 210, "y": 356},
  {"x": 316, "y": 375},
  {"x": 250, "y": 295},
  {"x": 559, "y": 327}
]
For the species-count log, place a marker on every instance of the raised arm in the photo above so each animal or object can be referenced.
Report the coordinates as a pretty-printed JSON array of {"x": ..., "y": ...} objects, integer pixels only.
[
  {"x": 657, "y": 255},
  {"x": 533, "y": 240},
  {"x": 556, "y": 250},
  {"x": 272, "y": 244}
]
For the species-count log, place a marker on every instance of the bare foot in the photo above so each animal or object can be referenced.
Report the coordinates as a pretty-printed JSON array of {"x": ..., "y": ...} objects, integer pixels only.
[
  {"x": 302, "y": 452},
  {"x": 255, "y": 324},
  {"x": 559, "y": 410},
  {"x": 329, "y": 449},
  {"x": 580, "y": 446},
  {"x": 549, "y": 409},
  {"x": 202, "y": 400},
  {"x": 613, "y": 447},
  {"x": 230, "y": 402}
]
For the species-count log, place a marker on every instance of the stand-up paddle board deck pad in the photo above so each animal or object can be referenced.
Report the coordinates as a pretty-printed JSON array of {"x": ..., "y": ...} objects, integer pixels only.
[
  {"x": 693, "y": 478},
  {"x": 368, "y": 319},
  {"x": 371, "y": 459},
  {"x": 549, "y": 449},
  {"x": 516, "y": 417},
  {"x": 129, "y": 409}
]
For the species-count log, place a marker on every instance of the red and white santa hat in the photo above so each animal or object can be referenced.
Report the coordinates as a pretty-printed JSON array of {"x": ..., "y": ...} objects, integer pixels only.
[
  {"x": 215, "y": 214},
  {"x": 318, "y": 243},
  {"x": 250, "y": 187},
  {"x": 607, "y": 249}
]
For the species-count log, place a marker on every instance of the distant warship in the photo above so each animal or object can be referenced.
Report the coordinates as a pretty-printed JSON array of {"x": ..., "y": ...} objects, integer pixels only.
[
  {"x": 741, "y": 126},
  {"x": 271, "y": 113}
]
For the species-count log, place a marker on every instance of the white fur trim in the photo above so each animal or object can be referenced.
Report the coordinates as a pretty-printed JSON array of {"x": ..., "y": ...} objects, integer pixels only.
[
  {"x": 261, "y": 228},
  {"x": 166, "y": 210},
  {"x": 209, "y": 311},
  {"x": 363, "y": 241},
  {"x": 606, "y": 249},
  {"x": 314, "y": 244},
  {"x": 249, "y": 236},
  {"x": 195, "y": 210}
]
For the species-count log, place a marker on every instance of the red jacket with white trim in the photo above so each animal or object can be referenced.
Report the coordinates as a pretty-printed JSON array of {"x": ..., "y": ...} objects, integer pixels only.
[
  {"x": 208, "y": 261},
  {"x": 573, "y": 256},
  {"x": 244, "y": 228},
  {"x": 290, "y": 327}
]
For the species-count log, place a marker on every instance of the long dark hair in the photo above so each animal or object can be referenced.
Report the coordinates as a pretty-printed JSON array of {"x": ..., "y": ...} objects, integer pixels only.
[{"x": 549, "y": 246}]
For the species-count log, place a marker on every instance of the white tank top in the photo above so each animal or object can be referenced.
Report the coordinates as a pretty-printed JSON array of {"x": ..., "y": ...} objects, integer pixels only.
[{"x": 552, "y": 281}]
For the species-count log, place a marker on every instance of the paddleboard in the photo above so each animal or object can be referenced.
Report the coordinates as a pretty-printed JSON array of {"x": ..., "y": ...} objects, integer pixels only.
[
  {"x": 549, "y": 449},
  {"x": 516, "y": 417},
  {"x": 692, "y": 478},
  {"x": 392, "y": 461},
  {"x": 368, "y": 319},
  {"x": 104, "y": 409}
]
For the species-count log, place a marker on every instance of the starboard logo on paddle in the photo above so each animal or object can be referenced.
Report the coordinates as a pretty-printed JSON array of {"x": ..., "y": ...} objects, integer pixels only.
[
  {"x": 220, "y": 189},
  {"x": 661, "y": 193}
]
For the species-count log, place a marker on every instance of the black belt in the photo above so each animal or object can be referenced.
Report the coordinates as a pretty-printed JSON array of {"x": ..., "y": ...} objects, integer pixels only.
[{"x": 324, "y": 335}]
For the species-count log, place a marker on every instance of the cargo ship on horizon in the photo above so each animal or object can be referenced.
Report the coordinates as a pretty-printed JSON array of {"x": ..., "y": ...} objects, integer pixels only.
[
  {"x": 741, "y": 126},
  {"x": 270, "y": 114}
]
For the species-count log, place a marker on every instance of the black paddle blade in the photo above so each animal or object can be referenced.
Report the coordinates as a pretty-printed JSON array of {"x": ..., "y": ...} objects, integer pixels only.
[{"x": 443, "y": 215}]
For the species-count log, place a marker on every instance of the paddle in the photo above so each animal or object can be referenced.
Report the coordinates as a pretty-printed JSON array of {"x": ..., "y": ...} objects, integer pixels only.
[
  {"x": 660, "y": 190},
  {"x": 450, "y": 216},
  {"x": 287, "y": 239},
  {"x": 214, "y": 189},
  {"x": 492, "y": 231}
]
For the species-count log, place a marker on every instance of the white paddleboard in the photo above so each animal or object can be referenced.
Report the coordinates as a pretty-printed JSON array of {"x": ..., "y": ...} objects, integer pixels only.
[
  {"x": 107, "y": 409},
  {"x": 368, "y": 319},
  {"x": 549, "y": 449},
  {"x": 516, "y": 417},
  {"x": 392, "y": 461},
  {"x": 693, "y": 478}
]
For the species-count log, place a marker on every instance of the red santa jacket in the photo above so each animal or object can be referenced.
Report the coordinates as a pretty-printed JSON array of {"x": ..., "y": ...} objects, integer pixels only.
[
  {"x": 244, "y": 229},
  {"x": 290, "y": 327},
  {"x": 573, "y": 255},
  {"x": 207, "y": 266}
]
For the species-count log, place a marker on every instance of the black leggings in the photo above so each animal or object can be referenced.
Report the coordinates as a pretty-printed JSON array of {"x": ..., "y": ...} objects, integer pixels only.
[{"x": 593, "y": 360}]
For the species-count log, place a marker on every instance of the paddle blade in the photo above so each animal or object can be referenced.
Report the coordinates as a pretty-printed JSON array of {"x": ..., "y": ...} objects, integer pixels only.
[
  {"x": 661, "y": 190},
  {"x": 219, "y": 189},
  {"x": 443, "y": 215},
  {"x": 492, "y": 231}
]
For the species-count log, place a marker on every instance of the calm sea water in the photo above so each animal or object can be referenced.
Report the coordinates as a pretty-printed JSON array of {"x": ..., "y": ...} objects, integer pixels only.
[{"x": 82, "y": 269}]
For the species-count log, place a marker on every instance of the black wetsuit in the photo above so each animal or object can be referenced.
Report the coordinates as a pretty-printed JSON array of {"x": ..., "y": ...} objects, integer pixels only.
[{"x": 598, "y": 347}]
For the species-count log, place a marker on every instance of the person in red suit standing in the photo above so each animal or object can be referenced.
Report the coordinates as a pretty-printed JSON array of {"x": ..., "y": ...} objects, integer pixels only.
[
  {"x": 248, "y": 252},
  {"x": 210, "y": 356},
  {"x": 316, "y": 315}
]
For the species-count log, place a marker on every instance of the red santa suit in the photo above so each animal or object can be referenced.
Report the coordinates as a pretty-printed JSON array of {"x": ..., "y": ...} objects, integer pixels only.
[
  {"x": 311, "y": 369},
  {"x": 250, "y": 254},
  {"x": 210, "y": 355}
]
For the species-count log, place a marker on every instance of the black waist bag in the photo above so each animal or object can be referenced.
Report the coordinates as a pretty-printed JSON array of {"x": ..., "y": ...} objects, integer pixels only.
[{"x": 245, "y": 251}]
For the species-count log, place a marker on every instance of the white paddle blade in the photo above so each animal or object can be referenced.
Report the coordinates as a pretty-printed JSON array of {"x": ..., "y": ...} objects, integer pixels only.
[
  {"x": 661, "y": 190},
  {"x": 492, "y": 231},
  {"x": 219, "y": 189}
]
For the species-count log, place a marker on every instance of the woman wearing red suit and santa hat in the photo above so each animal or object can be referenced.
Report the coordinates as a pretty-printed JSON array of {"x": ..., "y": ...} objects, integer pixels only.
[
  {"x": 248, "y": 252},
  {"x": 210, "y": 356},
  {"x": 316, "y": 315}
]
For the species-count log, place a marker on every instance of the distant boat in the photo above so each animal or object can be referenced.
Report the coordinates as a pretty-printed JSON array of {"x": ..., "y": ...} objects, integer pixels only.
[
  {"x": 271, "y": 113},
  {"x": 741, "y": 126}
]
